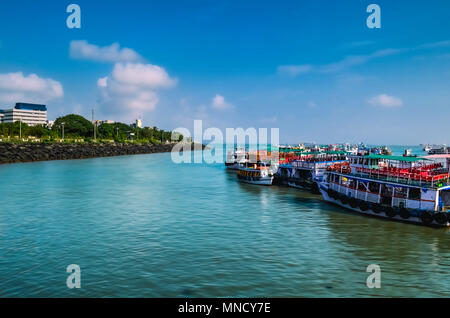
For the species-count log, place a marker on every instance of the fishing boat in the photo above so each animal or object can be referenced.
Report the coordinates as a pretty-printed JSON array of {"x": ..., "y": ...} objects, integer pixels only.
[
  {"x": 236, "y": 159},
  {"x": 260, "y": 173},
  {"x": 401, "y": 188},
  {"x": 305, "y": 170}
]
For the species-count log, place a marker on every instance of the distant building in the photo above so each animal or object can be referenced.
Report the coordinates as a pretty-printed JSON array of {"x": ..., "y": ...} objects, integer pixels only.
[
  {"x": 50, "y": 124},
  {"x": 31, "y": 114},
  {"x": 108, "y": 122},
  {"x": 137, "y": 124}
]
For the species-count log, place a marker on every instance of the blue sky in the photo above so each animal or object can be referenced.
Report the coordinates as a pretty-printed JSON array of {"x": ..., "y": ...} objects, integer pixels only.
[{"x": 311, "y": 68}]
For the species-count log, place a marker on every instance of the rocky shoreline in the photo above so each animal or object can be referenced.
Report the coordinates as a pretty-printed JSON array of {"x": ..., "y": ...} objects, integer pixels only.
[{"x": 28, "y": 152}]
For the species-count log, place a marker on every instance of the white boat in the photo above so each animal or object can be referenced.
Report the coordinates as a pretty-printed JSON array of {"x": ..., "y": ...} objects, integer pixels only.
[
  {"x": 236, "y": 159},
  {"x": 306, "y": 170},
  {"x": 439, "y": 150},
  {"x": 401, "y": 188}
]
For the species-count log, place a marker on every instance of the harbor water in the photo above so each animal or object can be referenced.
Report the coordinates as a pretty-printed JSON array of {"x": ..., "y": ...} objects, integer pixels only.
[{"x": 143, "y": 226}]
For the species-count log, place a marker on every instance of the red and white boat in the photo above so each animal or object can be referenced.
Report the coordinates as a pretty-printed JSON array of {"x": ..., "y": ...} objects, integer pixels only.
[{"x": 402, "y": 188}]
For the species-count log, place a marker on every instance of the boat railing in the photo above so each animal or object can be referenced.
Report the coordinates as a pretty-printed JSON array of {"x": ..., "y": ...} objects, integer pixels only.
[
  {"x": 409, "y": 179},
  {"x": 314, "y": 164}
]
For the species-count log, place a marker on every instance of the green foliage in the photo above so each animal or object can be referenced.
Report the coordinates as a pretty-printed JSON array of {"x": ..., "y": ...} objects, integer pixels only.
[
  {"x": 74, "y": 126},
  {"x": 78, "y": 127},
  {"x": 10, "y": 130},
  {"x": 116, "y": 131}
]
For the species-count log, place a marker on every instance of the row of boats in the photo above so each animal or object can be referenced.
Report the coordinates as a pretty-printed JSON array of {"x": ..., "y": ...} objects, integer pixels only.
[
  {"x": 436, "y": 149},
  {"x": 368, "y": 181}
]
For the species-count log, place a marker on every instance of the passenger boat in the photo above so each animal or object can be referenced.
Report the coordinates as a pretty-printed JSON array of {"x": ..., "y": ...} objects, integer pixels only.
[
  {"x": 439, "y": 150},
  {"x": 402, "y": 188},
  {"x": 306, "y": 169},
  {"x": 261, "y": 173},
  {"x": 236, "y": 159}
]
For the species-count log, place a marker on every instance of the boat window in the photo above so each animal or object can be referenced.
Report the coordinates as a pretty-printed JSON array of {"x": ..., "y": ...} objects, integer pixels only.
[
  {"x": 386, "y": 190},
  {"x": 400, "y": 192},
  {"x": 362, "y": 185},
  {"x": 414, "y": 194},
  {"x": 374, "y": 187},
  {"x": 337, "y": 178},
  {"x": 352, "y": 183}
]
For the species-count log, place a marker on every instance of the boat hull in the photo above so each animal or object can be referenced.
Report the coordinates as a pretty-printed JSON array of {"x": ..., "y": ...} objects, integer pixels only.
[
  {"x": 254, "y": 177},
  {"x": 263, "y": 181},
  {"x": 412, "y": 219}
]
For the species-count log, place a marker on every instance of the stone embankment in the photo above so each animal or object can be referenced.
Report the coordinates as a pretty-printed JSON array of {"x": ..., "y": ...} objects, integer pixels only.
[{"x": 10, "y": 153}]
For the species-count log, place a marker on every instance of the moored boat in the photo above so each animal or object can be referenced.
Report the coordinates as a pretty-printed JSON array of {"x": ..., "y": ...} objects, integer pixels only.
[
  {"x": 260, "y": 173},
  {"x": 236, "y": 159},
  {"x": 402, "y": 188},
  {"x": 306, "y": 170}
]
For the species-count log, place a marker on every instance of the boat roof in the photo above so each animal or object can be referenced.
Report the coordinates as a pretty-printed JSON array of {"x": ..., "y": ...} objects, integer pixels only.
[
  {"x": 443, "y": 156},
  {"x": 389, "y": 157},
  {"x": 303, "y": 152}
]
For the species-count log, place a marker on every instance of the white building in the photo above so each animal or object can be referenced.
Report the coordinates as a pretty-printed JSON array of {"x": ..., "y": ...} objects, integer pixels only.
[
  {"x": 31, "y": 114},
  {"x": 137, "y": 124},
  {"x": 50, "y": 124}
]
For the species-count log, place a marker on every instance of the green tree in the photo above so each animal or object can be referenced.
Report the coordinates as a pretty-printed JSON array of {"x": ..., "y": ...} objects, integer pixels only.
[
  {"x": 116, "y": 131},
  {"x": 74, "y": 126}
]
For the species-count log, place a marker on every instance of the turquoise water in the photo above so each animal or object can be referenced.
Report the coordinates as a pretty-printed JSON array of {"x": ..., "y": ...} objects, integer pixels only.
[{"x": 144, "y": 226}]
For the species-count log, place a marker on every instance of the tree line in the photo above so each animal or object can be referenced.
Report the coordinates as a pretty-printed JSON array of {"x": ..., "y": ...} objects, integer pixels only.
[{"x": 78, "y": 127}]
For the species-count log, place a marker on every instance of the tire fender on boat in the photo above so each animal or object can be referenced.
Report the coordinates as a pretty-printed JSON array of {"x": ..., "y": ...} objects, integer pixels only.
[
  {"x": 344, "y": 199},
  {"x": 426, "y": 217},
  {"x": 390, "y": 212},
  {"x": 376, "y": 208},
  {"x": 440, "y": 218},
  {"x": 363, "y": 206},
  {"x": 404, "y": 213},
  {"x": 353, "y": 203},
  {"x": 330, "y": 192}
]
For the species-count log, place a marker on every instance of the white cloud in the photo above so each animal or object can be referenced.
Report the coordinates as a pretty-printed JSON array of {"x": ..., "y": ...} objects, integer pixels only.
[
  {"x": 112, "y": 53},
  {"x": 355, "y": 60},
  {"x": 144, "y": 75},
  {"x": 384, "y": 100},
  {"x": 15, "y": 87},
  {"x": 439, "y": 44},
  {"x": 131, "y": 89},
  {"x": 341, "y": 65},
  {"x": 102, "y": 82},
  {"x": 219, "y": 102},
  {"x": 294, "y": 70}
]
